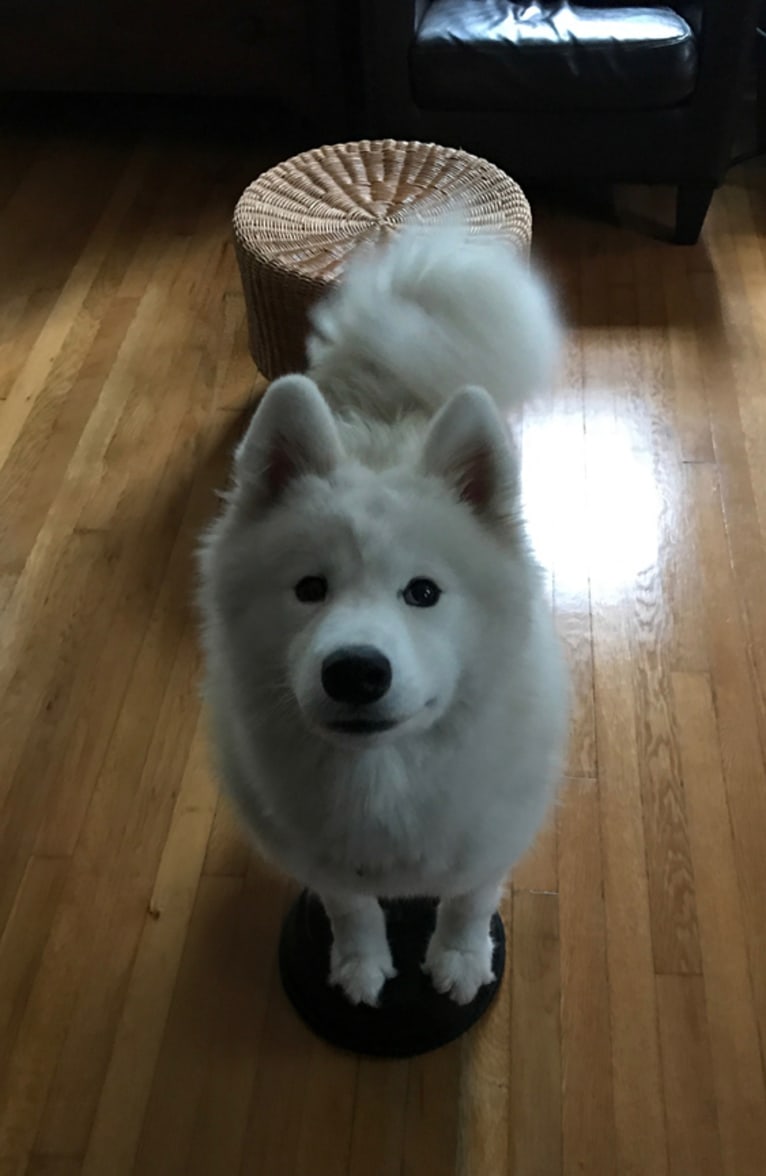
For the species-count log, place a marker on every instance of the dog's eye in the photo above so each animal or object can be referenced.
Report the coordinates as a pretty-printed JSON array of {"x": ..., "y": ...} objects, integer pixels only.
[
  {"x": 421, "y": 593},
  {"x": 311, "y": 589}
]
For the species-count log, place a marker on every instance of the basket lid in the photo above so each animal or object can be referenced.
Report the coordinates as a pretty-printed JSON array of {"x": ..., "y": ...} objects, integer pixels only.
[{"x": 307, "y": 215}]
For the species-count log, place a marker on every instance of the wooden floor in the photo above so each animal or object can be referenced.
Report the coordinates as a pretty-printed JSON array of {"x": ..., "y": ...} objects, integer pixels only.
[{"x": 142, "y": 1026}]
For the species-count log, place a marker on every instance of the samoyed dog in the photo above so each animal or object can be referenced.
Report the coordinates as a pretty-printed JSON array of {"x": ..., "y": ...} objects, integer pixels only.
[{"x": 387, "y": 693}]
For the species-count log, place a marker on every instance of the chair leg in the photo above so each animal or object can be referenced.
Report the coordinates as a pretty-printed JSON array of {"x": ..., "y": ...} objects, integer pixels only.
[
  {"x": 692, "y": 204},
  {"x": 760, "y": 85}
]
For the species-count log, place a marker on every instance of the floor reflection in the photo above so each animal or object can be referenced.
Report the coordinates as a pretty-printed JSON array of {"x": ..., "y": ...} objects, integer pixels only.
[{"x": 592, "y": 504}]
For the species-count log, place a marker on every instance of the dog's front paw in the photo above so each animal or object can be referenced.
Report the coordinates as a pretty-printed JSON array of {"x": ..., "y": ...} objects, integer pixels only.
[
  {"x": 459, "y": 972},
  {"x": 362, "y": 976}
]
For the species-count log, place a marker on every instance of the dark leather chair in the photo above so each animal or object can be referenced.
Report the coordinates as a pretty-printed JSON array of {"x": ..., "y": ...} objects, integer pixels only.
[{"x": 553, "y": 91}]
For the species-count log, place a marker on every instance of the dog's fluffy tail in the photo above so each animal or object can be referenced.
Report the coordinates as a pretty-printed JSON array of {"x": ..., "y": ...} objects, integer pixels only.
[{"x": 439, "y": 308}]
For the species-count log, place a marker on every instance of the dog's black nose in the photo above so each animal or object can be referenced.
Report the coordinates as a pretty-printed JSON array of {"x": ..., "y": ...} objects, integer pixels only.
[{"x": 357, "y": 675}]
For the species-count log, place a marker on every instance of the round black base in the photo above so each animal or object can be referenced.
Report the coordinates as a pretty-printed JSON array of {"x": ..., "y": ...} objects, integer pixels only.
[{"x": 412, "y": 1016}]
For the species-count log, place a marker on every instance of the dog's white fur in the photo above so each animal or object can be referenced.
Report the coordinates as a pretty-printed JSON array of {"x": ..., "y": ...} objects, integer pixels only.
[{"x": 400, "y": 468}]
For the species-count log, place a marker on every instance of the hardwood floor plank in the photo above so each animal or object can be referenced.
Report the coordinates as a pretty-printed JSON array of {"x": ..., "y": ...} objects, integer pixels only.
[
  {"x": 227, "y": 851},
  {"x": 32, "y": 376},
  {"x": 638, "y": 1093},
  {"x": 275, "y": 1114},
  {"x": 379, "y": 1118},
  {"x": 37, "y": 463},
  {"x": 535, "y": 1094},
  {"x": 221, "y": 1121},
  {"x": 131, "y": 409},
  {"x": 72, "y": 387},
  {"x": 690, "y": 651},
  {"x": 586, "y": 1048},
  {"x": 137, "y": 1036},
  {"x": 739, "y": 417},
  {"x": 327, "y": 1113},
  {"x": 22, "y": 319},
  {"x": 88, "y": 1051},
  {"x": 693, "y": 1140},
  {"x": 23, "y": 940},
  {"x": 675, "y": 941},
  {"x": 30, "y": 774},
  {"x": 30, "y": 597},
  {"x": 538, "y": 869},
  {"x": 237, "y": 381},
  {"x": 166, "y": 1133},
  {"x": 554, "y": 435},
  {"x": 570, "y": 550},
  {"x": 82, "y": 915},
  {"x": 53, "y": 1166},
  {"x": 77, "y": 748},
  {"x": 731, "y": 1017},
  {"x": 736, "y": 709},
  {"x": 686, "y": 366},
  {"x": 107, "y": 960},
  {"x": 139, "y": 755},
  {"x": 43, "y": 232},
  {"x": 485, "y": 1077},
  {"x": 432, "y": 1115}
]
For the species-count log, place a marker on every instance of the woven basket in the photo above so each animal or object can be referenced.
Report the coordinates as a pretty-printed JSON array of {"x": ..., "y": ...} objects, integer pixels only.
[{"x": 297, "y": 225}]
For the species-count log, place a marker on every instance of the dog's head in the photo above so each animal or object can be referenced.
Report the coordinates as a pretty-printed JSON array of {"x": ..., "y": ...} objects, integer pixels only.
[{"x": 370, "y": 602}]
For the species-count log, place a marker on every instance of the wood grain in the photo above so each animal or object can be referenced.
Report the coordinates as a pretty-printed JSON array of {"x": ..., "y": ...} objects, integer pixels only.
[
  {"x": 637, "y": 1081},
  {"x": 535, "y": 1094},
  {"x": 671, "y": 889},
  {"x": 379, "y": 1118},
  {"x": 694, "y": 1143},
  {"x": 737, "y": 712},
  {"x": 432, "y": 1112},
  {"x": 483, "y": 1141},
  {"x": 729, "y": 992},
  {"x": 586, "y": 1063},
  {"x": 538, "y": 868}
]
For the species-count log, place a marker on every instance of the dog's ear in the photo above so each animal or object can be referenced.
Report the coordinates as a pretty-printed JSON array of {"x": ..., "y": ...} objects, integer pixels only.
[
  {"x": 292, "y": 433},
  {"x": 469, "y": 447}
]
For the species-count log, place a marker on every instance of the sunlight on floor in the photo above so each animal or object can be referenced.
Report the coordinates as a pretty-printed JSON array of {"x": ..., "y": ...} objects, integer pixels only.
[{"x": 591, "y": 500}]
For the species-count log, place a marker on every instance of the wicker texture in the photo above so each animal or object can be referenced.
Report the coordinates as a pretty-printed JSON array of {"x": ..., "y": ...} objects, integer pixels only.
[{"x": 297, "y": 225}]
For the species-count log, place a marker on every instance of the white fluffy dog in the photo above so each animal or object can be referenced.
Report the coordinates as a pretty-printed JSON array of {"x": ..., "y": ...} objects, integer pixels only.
[{"x": 388, "y": 696}]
